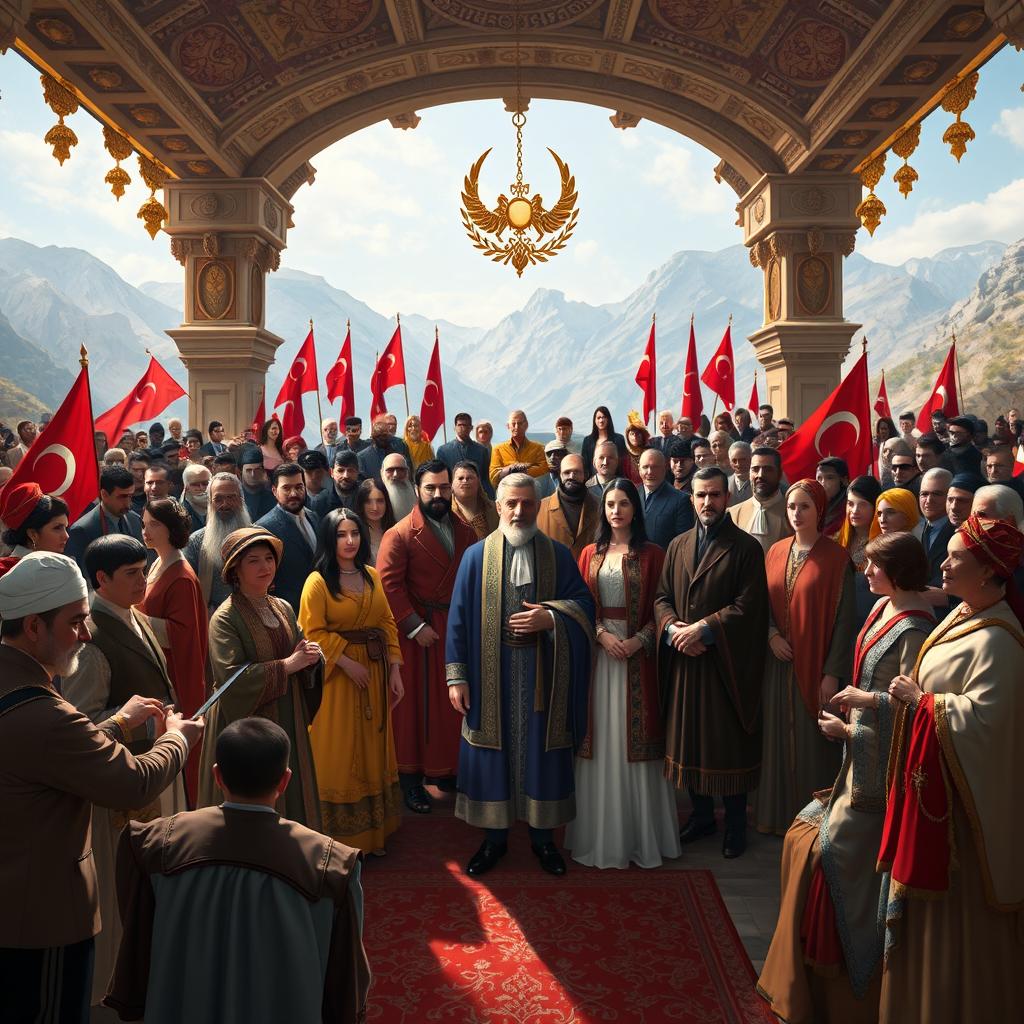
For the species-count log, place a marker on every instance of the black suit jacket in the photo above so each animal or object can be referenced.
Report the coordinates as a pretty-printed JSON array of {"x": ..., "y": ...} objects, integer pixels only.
[
  {"x": 297, "y": 557},
  {"x": 936, "y": 552},
  {"x": 96, "y": 523}
]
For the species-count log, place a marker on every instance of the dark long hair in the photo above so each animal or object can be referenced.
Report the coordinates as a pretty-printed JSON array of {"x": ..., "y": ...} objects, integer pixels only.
[
  {"x": 47, "y": 509},
  {"x": 593, "y": 423},
  {"x": 887, "y": 420},
  {"x": 363, "y": 495},
  {"x": 265, "y": 435},
  {"x": 638, "y": 532},
  {"x": 326, "y": 560}
]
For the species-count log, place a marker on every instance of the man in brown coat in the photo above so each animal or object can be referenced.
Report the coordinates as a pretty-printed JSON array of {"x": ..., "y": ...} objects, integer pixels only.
[
  {"x": 54, "y": 764},
  {"x": 571, "y": 514},
  {"x": 260, "y": 918},
  {"x": 417, "y": 562},
  {"x": 711, "y": 609}
]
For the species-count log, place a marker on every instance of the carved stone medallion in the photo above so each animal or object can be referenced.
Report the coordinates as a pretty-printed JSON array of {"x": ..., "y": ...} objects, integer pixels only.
[
  {"x": 215, "y": 289},
  {"x": 814, "y": 285},
  {"x": 773, "y": 277}
]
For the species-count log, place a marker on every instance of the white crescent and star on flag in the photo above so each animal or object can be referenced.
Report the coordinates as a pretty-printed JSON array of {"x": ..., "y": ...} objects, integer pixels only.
[
  {"x": 67, "y": 457},
  {"x": 828, "y": 423}
]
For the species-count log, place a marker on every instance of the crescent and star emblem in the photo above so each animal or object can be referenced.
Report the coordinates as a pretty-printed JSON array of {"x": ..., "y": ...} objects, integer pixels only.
[
  {"x": 831, "y": 421},
  {"x": 728, "y": 366},
  {"x": 686, "y": 377},
  {"x": 291, "y": 372},
  {"x": 140, "y": 394},
  {"x": 68, "y": 458},
  {"x": 392, "y": 359},
  {"x": 940, "y": 392},
  {"x": 426, "y": 390},
  {"x": 343, "y": 363},
  {"x": 517, "y": 215}
]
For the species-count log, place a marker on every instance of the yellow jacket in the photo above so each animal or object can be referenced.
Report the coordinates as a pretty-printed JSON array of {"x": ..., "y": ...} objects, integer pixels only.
[{"x": 506, "y": 454}]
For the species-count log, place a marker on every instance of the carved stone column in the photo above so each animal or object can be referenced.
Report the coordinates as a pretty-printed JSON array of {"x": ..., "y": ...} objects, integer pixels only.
[
  {"x": 228, "y": 235},
  {"x": 798, "y": 229}
]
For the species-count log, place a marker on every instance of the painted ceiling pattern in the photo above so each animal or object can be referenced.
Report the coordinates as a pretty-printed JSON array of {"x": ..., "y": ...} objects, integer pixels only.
[{"x": 213, "y": 86}]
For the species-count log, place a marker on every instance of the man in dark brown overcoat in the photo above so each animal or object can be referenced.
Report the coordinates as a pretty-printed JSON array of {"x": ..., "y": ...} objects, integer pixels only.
[{"x": 712, "y": 613}]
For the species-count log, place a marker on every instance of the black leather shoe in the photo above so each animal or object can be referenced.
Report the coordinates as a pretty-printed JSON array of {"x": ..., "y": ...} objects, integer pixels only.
[
  {"x": 485, "y": 858},
  {"x": 550, "y": 859},
  {"x": 417, "y": 799},
  {"x": 734, "y": 843},
  {"x": 694, "y": 830}
]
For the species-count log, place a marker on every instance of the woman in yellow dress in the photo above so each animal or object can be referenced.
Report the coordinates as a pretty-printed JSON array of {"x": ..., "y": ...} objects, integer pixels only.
[
  {"x": 420, "y": 448},
  {"x": 344, "y": 610}
]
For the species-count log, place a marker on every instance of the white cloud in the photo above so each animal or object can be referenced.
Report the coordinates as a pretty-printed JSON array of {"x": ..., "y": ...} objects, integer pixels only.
[
  {"x": 999, "y": 216},
  {"x": 1011, "y": 126},
  {"x": 691, "y": 188}
]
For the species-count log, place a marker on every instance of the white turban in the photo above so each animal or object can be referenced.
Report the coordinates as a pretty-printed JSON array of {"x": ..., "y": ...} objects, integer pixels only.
[{"x": 40, "y": 582}]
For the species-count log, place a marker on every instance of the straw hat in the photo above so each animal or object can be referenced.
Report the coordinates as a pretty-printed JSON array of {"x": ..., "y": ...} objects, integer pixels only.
[{"x": 238, "y": 542}]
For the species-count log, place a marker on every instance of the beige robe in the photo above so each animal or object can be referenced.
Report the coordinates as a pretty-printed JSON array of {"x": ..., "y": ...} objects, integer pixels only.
[
  {"x": 775, "y": 510},
  {"x": 975, "y": 930}
]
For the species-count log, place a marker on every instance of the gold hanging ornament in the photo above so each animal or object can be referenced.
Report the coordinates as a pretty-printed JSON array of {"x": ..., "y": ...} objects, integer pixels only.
[
  {"x": 120, "y": 149},
  {"x": 152, "y": 211},
  {"x": 871, "y": 210},
  {"x": 519, "y": 214},
  {"x": 61, "y": 99},
  {"x": 903, "y": 147},
  {"x": 955, "y": 101}
]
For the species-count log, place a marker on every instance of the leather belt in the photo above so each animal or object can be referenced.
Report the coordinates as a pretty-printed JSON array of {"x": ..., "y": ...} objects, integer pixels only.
[
  {"x": 613, "y": 613},
  {"x": 375, "y": 643}
]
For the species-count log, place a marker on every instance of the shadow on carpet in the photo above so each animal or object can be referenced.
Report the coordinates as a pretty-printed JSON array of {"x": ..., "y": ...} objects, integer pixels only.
[{"x": 521, "y": 947}]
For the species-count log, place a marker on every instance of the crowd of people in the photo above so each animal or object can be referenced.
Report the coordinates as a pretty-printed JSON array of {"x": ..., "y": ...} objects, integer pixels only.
[{"x": 561, "y": 634}]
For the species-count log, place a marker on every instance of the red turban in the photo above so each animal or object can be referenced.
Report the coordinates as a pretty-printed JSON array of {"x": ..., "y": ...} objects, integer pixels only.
[
  {"x": 994, "y": 542},
  {"x": 817, "y": 493},
  {"x": 17, "y": 503}
]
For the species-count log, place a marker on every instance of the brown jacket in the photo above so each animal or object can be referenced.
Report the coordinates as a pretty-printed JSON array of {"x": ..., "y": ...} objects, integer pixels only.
[
  {"x": 551, "y": 522},
  {"x": 54, "y": 764},
  {"x": 775, "y": 512},
  {"x": 314, "y": 865}
]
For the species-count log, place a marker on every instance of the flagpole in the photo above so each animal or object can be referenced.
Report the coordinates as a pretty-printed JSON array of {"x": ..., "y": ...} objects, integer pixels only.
[
  {"x": 83, "y": 361},
  {"x": 405, "y": 387},
  {"x": 867, "y": 395},
  {"x": 959, "y": 382},
  {"x": 316, "y": 373}
]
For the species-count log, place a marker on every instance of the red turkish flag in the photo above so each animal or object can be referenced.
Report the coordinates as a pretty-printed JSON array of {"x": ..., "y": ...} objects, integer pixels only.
[
  {"x": 882, "y": 401},
  {"x": 755, "y": 403},
  {"x": 432, "y": 408},
  {"x": 340, "y": 379},
  {"x": 647, "y": 377},
  {"x": 63, "y": 458},
  {"x": 302, "y": 377},
  {"x": 388, "y": 373},
  {"x": 1018, "y": 462},
  {"x": 693, "y": 402},
  {"x": 943, "y": 394},
  {"x": 155, "y": 391},
  {"x": 719, "y": 374},
  {"x": 840, "y": 426}
]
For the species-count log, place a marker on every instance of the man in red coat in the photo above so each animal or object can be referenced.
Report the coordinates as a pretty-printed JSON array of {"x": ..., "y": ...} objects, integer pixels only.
[{"x": 417, "y": 562}]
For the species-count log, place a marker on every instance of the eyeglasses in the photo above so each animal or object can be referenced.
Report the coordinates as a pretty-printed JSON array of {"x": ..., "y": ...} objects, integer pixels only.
[{"x": 896, "y": 466}]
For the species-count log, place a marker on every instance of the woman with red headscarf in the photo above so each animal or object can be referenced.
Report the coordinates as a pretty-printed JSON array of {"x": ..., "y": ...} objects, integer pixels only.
[
  {"x": 810, "y": 653},
  {"x": 954, "y": 831}
]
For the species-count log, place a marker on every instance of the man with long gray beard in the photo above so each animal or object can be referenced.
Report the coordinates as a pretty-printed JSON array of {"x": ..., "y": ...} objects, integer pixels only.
[
  {"x": 54, "y": 765},
  {"x": 395, "y": 474},
  {"x": 518, "y": 669},
  {"x": 227, "y": 514},
  {"x": 417, "y": 563}
]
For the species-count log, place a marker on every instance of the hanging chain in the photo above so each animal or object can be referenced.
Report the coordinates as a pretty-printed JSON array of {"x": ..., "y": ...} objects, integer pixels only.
[{"x": 518, "y": 118}]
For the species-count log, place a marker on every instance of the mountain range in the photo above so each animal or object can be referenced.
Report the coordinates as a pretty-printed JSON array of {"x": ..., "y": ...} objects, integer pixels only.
[{"x": 553, "y": 356}]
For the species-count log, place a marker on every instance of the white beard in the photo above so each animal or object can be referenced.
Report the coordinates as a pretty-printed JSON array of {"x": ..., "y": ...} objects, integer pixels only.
[
  {"x": 200, "y": 502},
  {"x": 403, "y": 497},
  {"x": 68, "y": 665},
  {"x": 215, "y": 532},
  {"x": 517, "y": 536}
]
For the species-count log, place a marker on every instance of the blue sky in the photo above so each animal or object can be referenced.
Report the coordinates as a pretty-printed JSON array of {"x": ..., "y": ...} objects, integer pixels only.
[{"x": 382, "y": 219}]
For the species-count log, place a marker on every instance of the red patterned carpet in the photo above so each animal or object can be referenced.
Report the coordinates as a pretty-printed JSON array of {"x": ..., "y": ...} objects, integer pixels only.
[{"x": 520, "y": 947}]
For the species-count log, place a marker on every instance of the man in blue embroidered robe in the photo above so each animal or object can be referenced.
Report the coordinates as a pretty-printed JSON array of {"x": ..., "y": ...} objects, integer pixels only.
[{"x": 520, "y": 629}]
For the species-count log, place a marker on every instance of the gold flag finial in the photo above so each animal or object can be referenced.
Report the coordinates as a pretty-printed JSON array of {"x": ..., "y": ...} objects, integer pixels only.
[
  {"x": 311, "y": 323},
  {"x": 83, "y": 357}
]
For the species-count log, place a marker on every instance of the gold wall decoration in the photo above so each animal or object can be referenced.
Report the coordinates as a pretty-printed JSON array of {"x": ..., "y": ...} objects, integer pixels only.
[
  {"x": 215, "y": 289},
  {"x": 61, "y": 99},
  {"x": 152, "y": 212},
  {"x": 774, "y": 290},
  {"x": 519, "y": 214},
  {"x": 814, "y": 285},
  {"x": 120, "y": 149},
  {"x": 871, "y": 209},
  {"x": 955, "y": 101},
  {"x": 903, "y": 147}
]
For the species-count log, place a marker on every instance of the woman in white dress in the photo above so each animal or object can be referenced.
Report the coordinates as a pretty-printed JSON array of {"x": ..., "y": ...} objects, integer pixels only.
[{"x": 625, "y": 807}]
